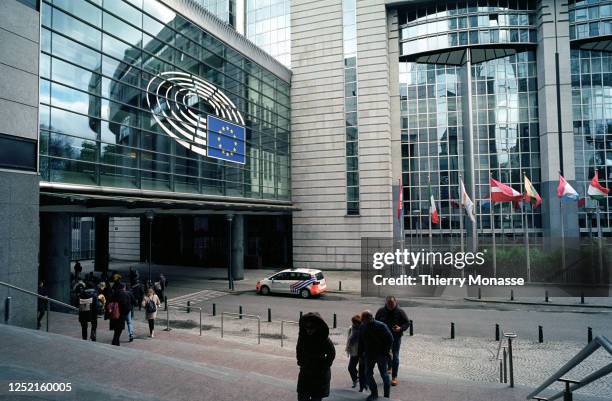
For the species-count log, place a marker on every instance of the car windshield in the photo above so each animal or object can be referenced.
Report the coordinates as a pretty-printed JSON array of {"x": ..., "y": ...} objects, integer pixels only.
[{"x": 319, "y": 276}]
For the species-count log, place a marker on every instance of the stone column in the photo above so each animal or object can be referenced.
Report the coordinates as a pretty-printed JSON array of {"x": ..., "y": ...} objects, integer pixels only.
[
  {"x": 55, "y": 249},
  {"x": 101, "y": 256},
  {"x": 238, "y": 247}
]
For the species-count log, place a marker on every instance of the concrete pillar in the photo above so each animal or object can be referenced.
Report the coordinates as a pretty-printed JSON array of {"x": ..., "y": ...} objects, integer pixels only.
[
  {"x": 102, "y": 255},
  {"x": 238, "y": 247},
  {"x": 55, "y": 248},
  {"x": 555, "y": 116}
]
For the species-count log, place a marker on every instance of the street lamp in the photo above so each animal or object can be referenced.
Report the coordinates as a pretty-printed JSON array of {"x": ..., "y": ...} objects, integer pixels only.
[{"x": 150, "y": 215}]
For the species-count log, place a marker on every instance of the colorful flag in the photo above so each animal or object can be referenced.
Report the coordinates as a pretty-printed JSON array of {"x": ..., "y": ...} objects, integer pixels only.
[
  {"x": 433, "y": 211},
  {"x": 582, "y": 202},
  {"x": 565, "y": 191},
  {"x": 400, "y": 199},
  {"x": 503, "y": 193},
  {"x": 466, "y": 202},
  {"x": 596, "y": 190},
  {"x": 531, "y": 195}
]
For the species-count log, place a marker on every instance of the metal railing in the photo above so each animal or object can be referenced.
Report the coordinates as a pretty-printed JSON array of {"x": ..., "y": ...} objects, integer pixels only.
[
  {"x": 282, "y": 334},
  {"x": 48, "y": 302},
  {"x": 573, "y": 385},
  {"x": 187, "y": 309},
  {"x": 504, "y": 357},
  {"x": 241, "y": 316}
]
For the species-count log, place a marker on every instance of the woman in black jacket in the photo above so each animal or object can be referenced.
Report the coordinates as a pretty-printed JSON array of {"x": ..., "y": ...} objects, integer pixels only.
[
  {"x": 123, "y": 300},
  {"x": 315, "y": 354}
]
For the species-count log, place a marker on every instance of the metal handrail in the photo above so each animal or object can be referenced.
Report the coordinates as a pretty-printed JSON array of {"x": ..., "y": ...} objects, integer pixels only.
[
  {"x": 178, "y": 308},
  {"x": 240, "y": 316},
  {"x": 598, "y": 342},
  {"x": 282, "y": 335},
  {"x": 55, "y": 301}
]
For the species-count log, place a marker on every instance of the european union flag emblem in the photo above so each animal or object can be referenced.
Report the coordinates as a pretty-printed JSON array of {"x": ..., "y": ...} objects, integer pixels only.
[{"x": 226, "y": 141}]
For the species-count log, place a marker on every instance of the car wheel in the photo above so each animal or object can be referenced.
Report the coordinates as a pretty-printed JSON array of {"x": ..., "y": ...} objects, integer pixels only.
[
  {"x": 264, "y": 290},
  {"x": 305, "y": 293}
]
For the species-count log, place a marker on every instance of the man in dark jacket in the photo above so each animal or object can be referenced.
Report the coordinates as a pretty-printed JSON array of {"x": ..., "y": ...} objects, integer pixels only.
[
  {"x": 375, "y": 341},
  {"x": 88, "y": 312},
  {"x": 315, "y": 354},
  {"x": 123, "y": 300},
  {"x": 397, "y": 321}
]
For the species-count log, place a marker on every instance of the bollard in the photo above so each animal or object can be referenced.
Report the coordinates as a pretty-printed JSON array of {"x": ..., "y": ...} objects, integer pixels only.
[
  {"x": 546, "y": 296},
  {"x": 269, "y": 315},
  {"x": 301, "y": 315},
  {"x": 188, "y": 306},
  {"x": 582, "y": 298},
  {"x": 496, "y": 332},
  {"x": 340, "y": 285},
  {"x": 589, "y": 335},
  {"x": 540, "y": 334},
  {"x": 7, "y": 309},
  {"x": 335, "y": 321},
  {"x": 512, "y": 295},
  {"x": 479, "y": 293},
  {"x": 452, "y": 330},
  {"x": 214, "y": 309},
  {"x": 239, "y": 311},
  {"x": 411, "y": 327}
]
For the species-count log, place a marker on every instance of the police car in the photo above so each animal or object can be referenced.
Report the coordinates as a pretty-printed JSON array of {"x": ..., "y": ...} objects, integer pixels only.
[{"x": 302, "y": 282}]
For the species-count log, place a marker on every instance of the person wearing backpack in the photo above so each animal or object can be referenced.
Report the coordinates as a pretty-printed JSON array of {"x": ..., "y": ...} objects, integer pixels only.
[
  {"x": 88, "y": 312},
  {"x": 151, "y": 304},
  {"x": 118, "y": 308}
]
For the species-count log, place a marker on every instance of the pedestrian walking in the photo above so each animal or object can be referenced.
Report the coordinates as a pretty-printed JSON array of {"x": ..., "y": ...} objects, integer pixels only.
[
  {"x": 397, "y": 321},
  {"x": 356, "y": 366},
  {"x": 88, "y": 312},
  {"x": 138, "y": 292},
  {"x": 77, "y": 271},
  {"x": 315, "y": 354},
  {"x": 151, "y": 304},
  {"x": 117, "y": 309},
  {"x": 160, "y": 286},
  {"x": 375, "y": 340},
  {"x": 42, "y": 303},
  {"x": 130, "y": 315}
]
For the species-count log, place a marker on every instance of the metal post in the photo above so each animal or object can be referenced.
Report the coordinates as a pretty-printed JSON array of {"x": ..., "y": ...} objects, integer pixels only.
[
  {"x": 479, "y": 293},
  {"x": 301, "y": 315},
  {"x": 505, "y": 366},
  {"x": 200, "y": 320},
  {"x": 258, "y": 330},
  {"x": 546, "y": 296},
  {"x": 335, "y": 321},
  {"x": 567, "y": 394},
  {"x": 188, "y": 306},
  {"x": 589, "y": 335},
  {"x": 221, "y": 325},
  {"x": 512, "y": 295},
  {"x": 239, "y": 311},
  {"x": 269, "y": 315},
  {"x": 48, "y": 306},
  {"x": 7, "y": 309},
  {"x": 282, "y": 332},
  {"x": 452, "y": 330},
  {"x": 411, "y": 327},
  {"x": 214, "y": 309},
  {"x": 339, "y": 285},
  {"x": 496, "y": 332},
  {"x": 510, "y": 362},
  {"x": 501, "y": 375},
  {"x": 165, "y": 303},
  {"x": 582, "y": 298},
  {"x": 540, "y": 334},
  {"x": 168, "y": 319}
]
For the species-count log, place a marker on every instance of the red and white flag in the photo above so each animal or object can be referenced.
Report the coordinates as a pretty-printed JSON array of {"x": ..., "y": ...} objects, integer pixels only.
[
  {"x": 433, "y": 210},
  {"x": 503, "y": 193}
]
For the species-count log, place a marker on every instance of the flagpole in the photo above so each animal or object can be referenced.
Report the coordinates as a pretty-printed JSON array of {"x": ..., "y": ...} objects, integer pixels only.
[
  {"x": 526, "y": 231},
  {"x": 430, "y": 228},
  {"x": 492, "y": 230},
  {"x": 461, "y": 214}
]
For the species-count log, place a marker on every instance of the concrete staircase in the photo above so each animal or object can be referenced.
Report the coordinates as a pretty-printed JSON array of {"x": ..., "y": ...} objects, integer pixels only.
[{"x": 179, "y": 365}]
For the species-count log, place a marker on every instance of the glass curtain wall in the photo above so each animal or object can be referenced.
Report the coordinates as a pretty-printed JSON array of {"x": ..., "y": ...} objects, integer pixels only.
[
  {"x": 349, "y": 17},
  {"x": 96, "y": 128},
  {"x": 268, "y": 25}
]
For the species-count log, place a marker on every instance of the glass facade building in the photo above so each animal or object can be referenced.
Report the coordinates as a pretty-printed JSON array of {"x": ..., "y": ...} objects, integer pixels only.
[
  {"x": 268, "y": 25},
  {"x": 96, "y": 127},
  {"x": 434, "y": 99},
  {"x": 351, "y": 118}
]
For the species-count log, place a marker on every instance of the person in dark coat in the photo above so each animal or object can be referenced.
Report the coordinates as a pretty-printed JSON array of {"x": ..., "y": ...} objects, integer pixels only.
[
  {"x": 123, "y": 299},
  {"x": 375, "y": 340},
  {"x": 315, "y": 354},
  {"x": 397, "y": 321},
  {"x": 42, "y": 304},
  {"x": 88, "y": 312}
]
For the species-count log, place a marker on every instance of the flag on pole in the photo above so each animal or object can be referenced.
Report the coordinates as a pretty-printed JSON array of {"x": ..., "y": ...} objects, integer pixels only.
[
  {"x": 582, "y": 202},
  {"x": 503, "y": 193},
  {"x": 531, "y": 195},
  {"x": 400, "y": 199},
  {"x": 466, "y": 202},
  {"x": 433, "y": 211},
  {"x": 565, "y": 191},
  {"x": 596, "y": 190}
]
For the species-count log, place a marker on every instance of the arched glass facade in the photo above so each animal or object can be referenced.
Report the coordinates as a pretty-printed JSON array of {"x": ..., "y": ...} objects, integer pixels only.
[
  {"x": 96, "y": 126},
  {"x": 504, "y": 116}
]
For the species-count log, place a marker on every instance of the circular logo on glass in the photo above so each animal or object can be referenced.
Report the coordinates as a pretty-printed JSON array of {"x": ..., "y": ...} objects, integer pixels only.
[{"x": 197, "y": 115}]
